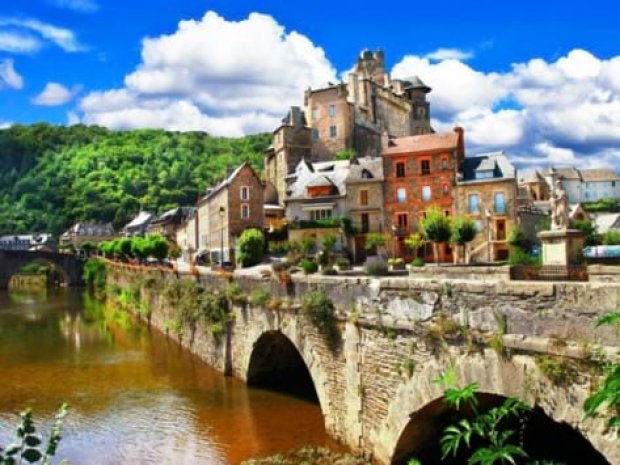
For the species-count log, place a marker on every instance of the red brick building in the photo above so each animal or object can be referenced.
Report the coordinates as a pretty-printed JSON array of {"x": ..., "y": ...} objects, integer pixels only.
[{"x": 420, "y": 172}]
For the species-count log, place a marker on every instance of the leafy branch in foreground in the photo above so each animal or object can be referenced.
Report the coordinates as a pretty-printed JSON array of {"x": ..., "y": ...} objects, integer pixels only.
[
  {"x": 608, "y": 392},
  {"x": 29, "y": 445}
]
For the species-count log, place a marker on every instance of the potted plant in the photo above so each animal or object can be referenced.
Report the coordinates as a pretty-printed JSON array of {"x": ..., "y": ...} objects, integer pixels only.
[
  {"x": 343, "y": 264},
  {"x": 396, "y": 264},
  {"x": 417, "y": 262}
]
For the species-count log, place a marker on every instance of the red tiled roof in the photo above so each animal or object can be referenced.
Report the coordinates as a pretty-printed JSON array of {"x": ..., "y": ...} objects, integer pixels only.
[{"x": 423, "y": 143}]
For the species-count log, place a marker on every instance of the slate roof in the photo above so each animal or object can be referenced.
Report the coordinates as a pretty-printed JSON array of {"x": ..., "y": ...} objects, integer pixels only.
[
  {"x": 530, "y": 176},
  {"x": 336, "y": 173},
  {"x": 496, "y": 162},
  {"x": 233, "y": 174},
  {"x": 606, "y": 221},
  {"x": 140, "y": 219},
  {"x": 423, "y": 143},
  {"x": 175, "y": 215},
  {"x": 599, "y": 175},
  {"x": 414, "y": 82}
]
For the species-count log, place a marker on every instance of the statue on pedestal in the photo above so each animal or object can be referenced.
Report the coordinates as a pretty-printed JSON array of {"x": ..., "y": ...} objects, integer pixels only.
[{"x": 559, "y": 207}]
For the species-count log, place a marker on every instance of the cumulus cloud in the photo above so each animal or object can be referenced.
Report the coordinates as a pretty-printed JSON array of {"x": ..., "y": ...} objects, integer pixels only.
[
  {"x": 449, "y": 54},
  {"x": 5, "y": 124},
  {"x": 560, "y": 112},
  {"x": 8, "y": 76},
  {"x": 55, "y": 94},
  {"x": 63, "y": 38},
  {"x": 83, "y": 6},
  {"x": 225, "y": 77}
]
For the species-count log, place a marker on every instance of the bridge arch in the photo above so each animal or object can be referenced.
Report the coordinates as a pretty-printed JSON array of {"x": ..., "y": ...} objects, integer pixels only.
[
  {"x": 417, "y": 414},
  {"x": 11, "y": 261},
  {"x": 281, "y": 346}
]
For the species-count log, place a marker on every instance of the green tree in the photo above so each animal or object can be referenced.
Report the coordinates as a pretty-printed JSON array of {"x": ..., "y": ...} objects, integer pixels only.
[
  {"x": 158, "y": 247},
  {"x": 437, "y": 228},
  {"x": 250, "y": 247},
  {"x": 588, "y": 228},
  {"x": 611, "y": 237},
  {"x": 463, "y": 232},
  {"x": 374, "y": 240}
]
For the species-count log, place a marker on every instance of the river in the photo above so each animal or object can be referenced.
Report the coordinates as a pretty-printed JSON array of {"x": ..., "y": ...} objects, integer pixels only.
[{"x": 135, "y": 397}]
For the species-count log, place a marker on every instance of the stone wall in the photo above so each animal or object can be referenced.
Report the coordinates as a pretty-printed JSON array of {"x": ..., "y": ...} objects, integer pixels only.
[{"x": 399, "y": 334}]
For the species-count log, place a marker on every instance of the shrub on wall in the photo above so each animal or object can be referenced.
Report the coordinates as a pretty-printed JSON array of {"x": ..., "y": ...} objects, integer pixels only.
[
  {"x": 319, "y": 309},
  {"x": 251, "y": 247},
  {"x": 376, "y": 266},
  {"x": 95, "y": 274},
  {"x": 308, "y": 266}
]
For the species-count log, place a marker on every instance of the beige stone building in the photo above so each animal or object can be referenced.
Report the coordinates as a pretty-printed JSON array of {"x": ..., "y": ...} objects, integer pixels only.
[
  {"x": 356, "y": 115},
  {"x": 322, "y": 194},
  {"x": 486, "y": 191},
  {"x": 227, "y": 210}
]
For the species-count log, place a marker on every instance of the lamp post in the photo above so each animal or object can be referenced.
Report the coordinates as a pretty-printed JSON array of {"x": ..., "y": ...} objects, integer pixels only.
[
  {"x": 221, "y": 212},
  {"x": 487, "y": 214},
  {"x": 394, "y": 240}
]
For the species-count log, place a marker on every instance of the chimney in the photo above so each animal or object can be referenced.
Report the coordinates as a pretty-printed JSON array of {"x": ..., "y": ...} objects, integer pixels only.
[{"x": 460, "y": 145}]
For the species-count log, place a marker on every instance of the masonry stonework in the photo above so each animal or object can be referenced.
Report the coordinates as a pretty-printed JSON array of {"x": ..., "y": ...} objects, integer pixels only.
[{"x": 374, "y": 386}]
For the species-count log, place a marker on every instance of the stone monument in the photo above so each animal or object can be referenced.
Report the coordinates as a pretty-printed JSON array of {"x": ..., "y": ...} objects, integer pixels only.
[{"x": 561, "y": 245}]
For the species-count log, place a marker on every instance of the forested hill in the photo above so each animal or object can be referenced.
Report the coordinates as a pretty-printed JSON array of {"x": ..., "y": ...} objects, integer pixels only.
[{"x": 53, "y": 176}]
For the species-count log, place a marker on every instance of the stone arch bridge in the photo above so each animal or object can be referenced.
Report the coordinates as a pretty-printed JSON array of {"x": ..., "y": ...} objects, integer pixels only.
[
  {"x": 376, "y": 388},
  {"x": 68, "y": 266}
]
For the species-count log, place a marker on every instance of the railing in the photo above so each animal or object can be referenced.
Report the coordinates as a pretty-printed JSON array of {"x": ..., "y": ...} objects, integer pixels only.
[{"x": 549, "y": 273}]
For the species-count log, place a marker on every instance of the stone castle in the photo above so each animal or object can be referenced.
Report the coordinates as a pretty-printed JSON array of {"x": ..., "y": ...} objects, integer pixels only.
[{"x": 359, "y": 115}]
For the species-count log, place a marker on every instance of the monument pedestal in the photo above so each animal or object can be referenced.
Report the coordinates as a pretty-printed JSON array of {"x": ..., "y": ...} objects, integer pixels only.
[{"x": 561, "y": 247}]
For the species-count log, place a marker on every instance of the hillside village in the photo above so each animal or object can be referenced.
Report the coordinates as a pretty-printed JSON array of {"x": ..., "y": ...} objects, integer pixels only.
[{"x": 359, "y": 160}]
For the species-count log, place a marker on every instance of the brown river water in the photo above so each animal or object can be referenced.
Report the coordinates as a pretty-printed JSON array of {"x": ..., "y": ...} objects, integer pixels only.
[{"x": 135, "y": 397}]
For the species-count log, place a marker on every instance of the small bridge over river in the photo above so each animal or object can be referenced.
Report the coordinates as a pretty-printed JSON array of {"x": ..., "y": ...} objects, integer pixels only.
[
  {"x": 67, "y": 266},
  {"x": 376, "y": 388}
]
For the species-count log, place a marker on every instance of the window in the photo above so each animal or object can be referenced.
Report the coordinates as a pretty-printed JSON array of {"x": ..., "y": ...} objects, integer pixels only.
[
  {"x": 315, "y": 114},
  {"x": 245, "y": 193},
  {"x": 425, "y": 167},
  {"x": 332, "y": 131},
  {"x": 332, "y": 110},
  {"x": 401, "y": 195},
  {"x": 421, "y": 112},
  {"x": 320, "y": 214},
  {"x": 245, "y": 211},
  {"x": 499, "y": 202},
  {"x": 474, "y": 204},
  {"x": 364, "y": 197},
  {"x": 444, "y": 163},
  {"x": 400, "y": 169},
  {"x": 446, "y": 190},
  {"x": 365, "y": 222},
  {"x": 613, "y": 183},
  {"x": 426, "y": 193},
  {"x": 402, "y": 220},
  {"x": 315, "y": 134}
]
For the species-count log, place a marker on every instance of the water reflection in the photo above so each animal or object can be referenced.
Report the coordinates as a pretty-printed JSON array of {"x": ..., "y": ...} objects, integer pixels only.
[{"x": 135, "y": 396}]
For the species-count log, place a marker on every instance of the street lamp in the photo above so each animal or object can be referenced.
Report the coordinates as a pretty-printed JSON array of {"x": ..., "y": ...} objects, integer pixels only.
[
  {"x": 487, "y": 214},
  {"x": 221, "y": 212},
  {"x": 394, "y": 240}
]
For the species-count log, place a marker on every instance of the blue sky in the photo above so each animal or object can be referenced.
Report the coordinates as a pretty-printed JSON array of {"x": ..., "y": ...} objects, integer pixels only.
[{"x": 538, "y": 79}]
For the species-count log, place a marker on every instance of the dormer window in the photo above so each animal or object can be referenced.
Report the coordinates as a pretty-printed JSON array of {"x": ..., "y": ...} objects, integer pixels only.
[
  {"x": 484, "y": 174},
  {"x": 366, "y": 174}
]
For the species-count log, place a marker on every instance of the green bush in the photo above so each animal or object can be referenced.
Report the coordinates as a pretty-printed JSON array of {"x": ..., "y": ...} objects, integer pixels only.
[
  {"x": 376, "y": 266},
  {"x": 611, "y": 237},
  {"x": 519, "y": 257},
  {"x": 417, "y": 262},
  {"x": 259, "y": 297},
  {"x": 95, "y": 274},
  {"x": 588, "y": 228},
  {"x": 34, "y": 268},
  {"x": 251, "y": 247},
  {"x": 518, "y": 239},
  {"x": 343, "y": 262},
  {"x": 309, "y": 266},
  {"x": 319, "y": 309},
  {"x": 374, "y": 239}
]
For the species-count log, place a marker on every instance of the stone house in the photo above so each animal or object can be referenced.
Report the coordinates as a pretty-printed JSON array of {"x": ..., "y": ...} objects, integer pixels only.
[
  {"x": 322, "y": 194},
  {"x": 486, "y": 192},
  {"x": 227, "y": 209},
  {"x": 187, "y": 237},
  {"x": 138, "y": 225},
  {"x": 87, "y": 232},
  {"x": 169, "y": 222},
  {"x": 356, "y": 116},
  {"x": 420, "y": 172},
  {"x": 42, "y": 241}
]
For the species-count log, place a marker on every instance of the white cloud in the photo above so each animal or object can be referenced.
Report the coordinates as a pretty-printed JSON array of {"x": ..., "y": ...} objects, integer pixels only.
[
  {"x": 8, "y": 76},
  {"x": 63, "y": 38},
  {"x": 15, "y": 42},
  {"x": 563, "y": 112},
  {"x": 442, "y": 54},
  {"x": 225, "y": 77},
  {"x": 83, "y": 6},
  {"x": 55, "y": 94},
  {"x": 5, "y": 124}
]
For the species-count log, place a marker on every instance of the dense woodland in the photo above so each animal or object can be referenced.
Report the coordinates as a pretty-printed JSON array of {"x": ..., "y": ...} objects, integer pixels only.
[{"x": 53, "y": 176}]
